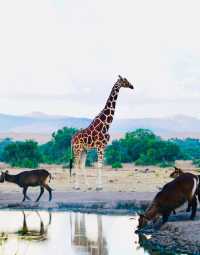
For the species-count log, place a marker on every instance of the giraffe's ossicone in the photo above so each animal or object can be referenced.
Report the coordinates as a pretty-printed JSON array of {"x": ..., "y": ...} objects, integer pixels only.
[{"x": 96, "y": 135}]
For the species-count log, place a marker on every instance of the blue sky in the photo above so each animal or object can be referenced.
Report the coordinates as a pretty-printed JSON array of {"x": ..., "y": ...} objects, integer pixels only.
[{"x": 62, "y": 57}]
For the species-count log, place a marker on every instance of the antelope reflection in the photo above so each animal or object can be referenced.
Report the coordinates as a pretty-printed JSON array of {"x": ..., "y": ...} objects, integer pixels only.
[
  {"x": 81, "y": 241},
  {"x": 34, "y": 234},
  {"x": 16, "y": 227},
  {"x": 26, "y": 232}
]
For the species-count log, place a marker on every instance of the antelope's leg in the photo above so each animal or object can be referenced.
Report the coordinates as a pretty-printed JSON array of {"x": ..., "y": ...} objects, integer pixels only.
[
  {"x": 100, "y": 153},
  {"x": 194, "y": 207},
  {"x": 41, "y": 192},
  {"x": 24, "y": 193},
  {"x": 46, "y": 186},
  {"x": 189, "y": 207},
  {"x": 198, "y": 193},
  {"x": 165, "y": 218}
]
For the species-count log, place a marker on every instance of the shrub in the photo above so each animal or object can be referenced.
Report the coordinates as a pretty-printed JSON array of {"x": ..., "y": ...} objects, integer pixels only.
[
  {"x": 166, "y": 164},
  {"x": 117, "y": 165},
  {"x": 58, "y": 150},
  {"x": 196, "y": 162},
  {"x": 22, "y": 154}
]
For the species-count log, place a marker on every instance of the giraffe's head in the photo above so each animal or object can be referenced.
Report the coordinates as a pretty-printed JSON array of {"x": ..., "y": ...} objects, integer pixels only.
[{"x": 124, "y": 83}]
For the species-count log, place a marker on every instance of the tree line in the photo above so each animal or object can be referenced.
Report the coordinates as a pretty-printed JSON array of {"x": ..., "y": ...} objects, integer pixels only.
[{"x": 140, "y": 146}]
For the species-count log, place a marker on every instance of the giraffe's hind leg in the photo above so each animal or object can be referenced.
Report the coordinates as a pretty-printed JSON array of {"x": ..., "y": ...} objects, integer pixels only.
[{"x": 100, "y": 153}]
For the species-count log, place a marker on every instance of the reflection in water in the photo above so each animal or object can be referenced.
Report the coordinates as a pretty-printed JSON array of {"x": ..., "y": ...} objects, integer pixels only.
[
  {"x": 34, "y": 234},
  {"x": 18, "y": 229},
  {"x": 61, "y": 233},
  {"x": 82, "y": 242}
]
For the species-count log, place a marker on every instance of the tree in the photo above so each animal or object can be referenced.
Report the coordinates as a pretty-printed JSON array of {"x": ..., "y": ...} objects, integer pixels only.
[
  {"x": 22, "y": 154},
  {"x": 113, "y": 153},
  {"x": 3, "y": 144},
  {"x": 143, "y": 147},
  {"x": 190, "y": 147},
  {"x": 58, "y": 150}
]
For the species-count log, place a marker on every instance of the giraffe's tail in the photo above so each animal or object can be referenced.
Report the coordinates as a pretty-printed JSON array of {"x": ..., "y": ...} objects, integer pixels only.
[
  {"x": 70, "y": 166},
  {"x": 71, "y": 162}
]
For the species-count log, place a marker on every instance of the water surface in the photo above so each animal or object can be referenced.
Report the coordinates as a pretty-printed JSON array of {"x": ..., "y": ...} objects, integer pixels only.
[{"x": 61, "y": 233}]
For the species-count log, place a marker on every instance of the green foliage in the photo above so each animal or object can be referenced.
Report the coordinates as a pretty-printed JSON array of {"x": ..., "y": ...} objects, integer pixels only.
[
  {"x": 143, "y": 147},
  {"x": 190, "y": 147},
  {"x": 113, "y": 152},
  {"x": 117, "y": 165},
  {"x": 196, "y": 162},
  {"x": 3, "y": 144},
  {"x": 91, "y": 157},
  {"x": 166, "y": 164},
  {"x": 58, "y": 150},
  {"x": 22, "y": 154}
]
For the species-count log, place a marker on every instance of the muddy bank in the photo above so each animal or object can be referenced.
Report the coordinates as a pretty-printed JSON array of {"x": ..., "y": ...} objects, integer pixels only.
[
  {"x": 180, "y": 235},
  {"x": 103, "y": 202}
]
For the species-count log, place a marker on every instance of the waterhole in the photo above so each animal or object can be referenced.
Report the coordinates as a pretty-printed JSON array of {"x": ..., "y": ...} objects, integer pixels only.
[{"x": 61, "y": 233}]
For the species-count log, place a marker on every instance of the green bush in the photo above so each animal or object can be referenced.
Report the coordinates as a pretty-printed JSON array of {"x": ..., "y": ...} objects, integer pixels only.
[
  {"x": 190, "y": 147},
  {"x": 22, "y": 154},
  {"x": 91, "y": 157},
  {"x": 58, "y": 150},
  {"x": 117, "y": 165},
  {"x": 196, "y": 162},
  {"x": 3, "y": 143},
  {"x": 166, "y": 164},
  {"x": 143, "y": 147}
]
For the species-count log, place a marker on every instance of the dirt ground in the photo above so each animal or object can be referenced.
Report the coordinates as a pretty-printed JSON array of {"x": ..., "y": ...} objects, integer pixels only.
[{"x": 128, "y": 179}]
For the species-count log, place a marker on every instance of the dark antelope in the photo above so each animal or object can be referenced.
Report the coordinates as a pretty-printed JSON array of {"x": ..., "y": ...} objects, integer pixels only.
[
  {"x": 177, "y": 171},
  {"x": 173, "y": 195},
  {"x": 33, "y": 178}
]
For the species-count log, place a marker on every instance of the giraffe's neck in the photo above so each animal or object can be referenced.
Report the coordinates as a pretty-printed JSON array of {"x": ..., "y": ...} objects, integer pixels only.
[
  {"x": 111, "y": 102},
  {"x": 104, "y": 119},
  {"x": 109, "y": 110}
]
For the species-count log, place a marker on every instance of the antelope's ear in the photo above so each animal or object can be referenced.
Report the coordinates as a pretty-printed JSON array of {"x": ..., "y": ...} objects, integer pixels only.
[
  {"x": 119, "y": 76},
  {"x": 141, "y": 215}
]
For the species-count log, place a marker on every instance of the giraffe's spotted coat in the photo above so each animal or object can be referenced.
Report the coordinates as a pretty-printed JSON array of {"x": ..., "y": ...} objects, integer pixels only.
[{"x": 96, "y": 134}]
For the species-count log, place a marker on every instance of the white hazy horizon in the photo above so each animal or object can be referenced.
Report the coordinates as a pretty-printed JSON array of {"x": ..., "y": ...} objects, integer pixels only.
[
  {"x": 62, "y": 57},
  {"x": 44, "y": 115}
]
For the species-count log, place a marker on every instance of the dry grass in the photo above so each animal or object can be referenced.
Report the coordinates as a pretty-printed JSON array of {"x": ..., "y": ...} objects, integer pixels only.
[{"x": 129, "y": 178}]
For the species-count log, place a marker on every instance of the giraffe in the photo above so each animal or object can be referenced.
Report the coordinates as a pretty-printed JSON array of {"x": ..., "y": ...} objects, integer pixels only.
[{"x": 96, "y": 135}]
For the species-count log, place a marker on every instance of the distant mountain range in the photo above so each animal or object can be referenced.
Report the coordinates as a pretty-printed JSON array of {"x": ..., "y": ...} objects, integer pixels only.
[{"x": 40, "y": 123}]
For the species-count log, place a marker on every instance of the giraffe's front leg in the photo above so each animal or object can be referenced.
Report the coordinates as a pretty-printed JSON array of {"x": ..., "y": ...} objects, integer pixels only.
[
  {"x": 76, "y": 168},
  {"x": 83, "y": 168},
  {"x": 100, "y": 153}
]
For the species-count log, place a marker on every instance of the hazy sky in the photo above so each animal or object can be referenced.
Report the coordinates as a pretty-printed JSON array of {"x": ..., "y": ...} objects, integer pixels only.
[{"x": 63, "y": 57}]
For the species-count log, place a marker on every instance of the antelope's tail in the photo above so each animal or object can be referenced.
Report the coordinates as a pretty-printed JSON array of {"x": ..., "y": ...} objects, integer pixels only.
[{"x": 50, "y": 177}]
